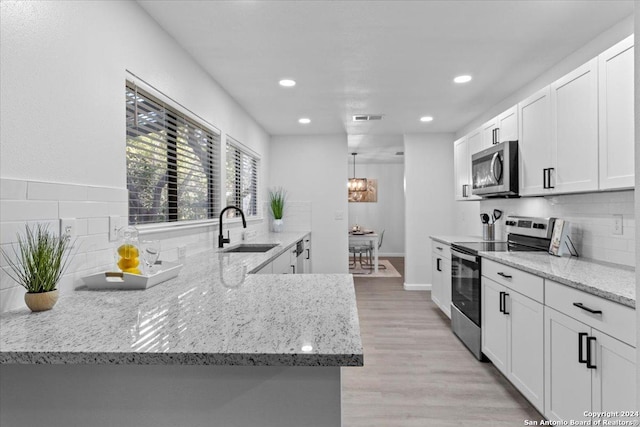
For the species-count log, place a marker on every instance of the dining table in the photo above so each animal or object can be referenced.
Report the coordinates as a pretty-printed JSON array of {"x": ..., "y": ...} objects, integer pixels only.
[{"x": 364, "y": 237}]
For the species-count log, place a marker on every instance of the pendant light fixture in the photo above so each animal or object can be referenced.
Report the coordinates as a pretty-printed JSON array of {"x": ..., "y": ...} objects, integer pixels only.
[{"x": 357, "y": 184}]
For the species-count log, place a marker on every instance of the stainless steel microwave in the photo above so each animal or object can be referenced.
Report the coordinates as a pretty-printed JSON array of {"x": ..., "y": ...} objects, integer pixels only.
[{"x": 494, "y": 171}]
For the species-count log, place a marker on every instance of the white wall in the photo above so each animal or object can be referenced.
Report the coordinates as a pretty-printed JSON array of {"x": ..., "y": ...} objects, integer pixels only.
[
  {"x": 430, "y": 207},
  {"x": 637, "y": 200},
  {"x": 388, "y": 212},
  {"x": 313, "y": 169},
  {"x": 62, "y": 76}
]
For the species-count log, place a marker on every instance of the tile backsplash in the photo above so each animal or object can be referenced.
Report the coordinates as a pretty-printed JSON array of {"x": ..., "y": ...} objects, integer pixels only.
[
  {"x": 592, "y": 221},
  {"x": 31, "y": 202}
]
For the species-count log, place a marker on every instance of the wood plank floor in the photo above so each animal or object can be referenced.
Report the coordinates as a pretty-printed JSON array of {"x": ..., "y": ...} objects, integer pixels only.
[{"x": 416, "y": 372}]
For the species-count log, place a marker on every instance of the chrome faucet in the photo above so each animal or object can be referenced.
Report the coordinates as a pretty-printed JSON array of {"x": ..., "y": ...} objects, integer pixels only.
[{"x": 221, "y": 239}]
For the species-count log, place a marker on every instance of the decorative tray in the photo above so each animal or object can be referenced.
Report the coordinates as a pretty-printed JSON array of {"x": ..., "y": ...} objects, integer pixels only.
[{"x": 127, "y": 281}]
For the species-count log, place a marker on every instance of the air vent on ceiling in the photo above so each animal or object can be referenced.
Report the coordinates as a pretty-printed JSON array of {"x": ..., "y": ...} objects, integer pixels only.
[
  {"x": 399, "y": 153},
  {"x": 366, "y": 117}
]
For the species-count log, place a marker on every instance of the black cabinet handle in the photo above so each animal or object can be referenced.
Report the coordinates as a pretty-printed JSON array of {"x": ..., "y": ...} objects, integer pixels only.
[
  {"x": 438, "y": 264},
  {"x": 497, "y": 135},
  {"x": 439, "y": 248},
  {"x": 590, "y": 365},
  {"x": 501, "y": 302},
  {"x": 465, "y": 192},
  {"x": 308, "y": 254},
  {"x": 581, "y": 358},
  {"x": 590, "y": 310},
  {"x": 504, "y": 303},
  {"x": 294, "y": 269},
  {"x": 546, "y": 178},
  {"x": 506, "y": 276}
]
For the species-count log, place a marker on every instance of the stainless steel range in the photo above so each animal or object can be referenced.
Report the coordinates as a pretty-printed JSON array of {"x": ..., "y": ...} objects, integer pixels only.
[{"x": 524, "y": 234}]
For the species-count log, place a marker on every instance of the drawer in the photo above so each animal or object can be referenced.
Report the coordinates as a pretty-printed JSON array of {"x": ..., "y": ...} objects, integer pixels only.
[
  {"x": 520, "y": 281},
  {"x": 616, "y": 319},
  {"x": 441, "y": 249}
]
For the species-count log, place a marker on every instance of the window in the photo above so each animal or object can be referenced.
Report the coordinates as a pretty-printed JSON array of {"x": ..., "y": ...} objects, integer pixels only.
[
  {"x": 172, "y": 162},
  {"x": 242, "y": 179}
]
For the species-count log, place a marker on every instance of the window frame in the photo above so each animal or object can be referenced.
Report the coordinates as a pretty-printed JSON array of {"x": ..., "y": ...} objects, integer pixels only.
[
  {"x": 243, "y": 150},
  {"x": 212, "y": 169}
]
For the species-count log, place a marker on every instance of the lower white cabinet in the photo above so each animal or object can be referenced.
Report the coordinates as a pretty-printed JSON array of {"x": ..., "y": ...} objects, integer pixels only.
[
  {"x": 307, "y": 254},
  {"x": 513, "y": 338},
  {"x": 441, "y": 277},
  {"x": 587, "y": 370},
  {"x": 285, "y": 263}
]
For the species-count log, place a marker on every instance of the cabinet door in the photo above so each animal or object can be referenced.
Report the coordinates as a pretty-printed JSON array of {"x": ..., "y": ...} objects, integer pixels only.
[
  {"x": 462, "y": 165},
  {"x": 488, "y": 136},
  {"x": 567, "y": 392},
  {"x": 615, "y": 88},
  {"x": 534, "y": 142},
  {"x": 494, "y": 324},
  {"x": 507, "y": 124},
  {"x": 282, "y": 264},
  {"x": 614, "y": 385},
  {"x": 307, "y": 255},
  {"x": 436, "y": 279},
  {"x": 574, "y": 107},
  {"x": 445, "y": 266},
  {"x": 526, "y": 347}
]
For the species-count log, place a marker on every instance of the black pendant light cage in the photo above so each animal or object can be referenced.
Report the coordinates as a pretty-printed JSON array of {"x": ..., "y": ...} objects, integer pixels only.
[{"x": 357, "y": 184}]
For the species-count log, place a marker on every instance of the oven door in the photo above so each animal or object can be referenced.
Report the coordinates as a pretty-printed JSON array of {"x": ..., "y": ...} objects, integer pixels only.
[{"x": 465, "y": 284}]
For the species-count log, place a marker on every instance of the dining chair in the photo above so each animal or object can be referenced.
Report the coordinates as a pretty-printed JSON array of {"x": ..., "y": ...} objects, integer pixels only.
[{"x": 369, "y": 264}]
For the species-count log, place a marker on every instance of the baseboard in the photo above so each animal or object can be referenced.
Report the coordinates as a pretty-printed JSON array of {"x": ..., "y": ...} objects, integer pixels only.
[
  {"x": 417, "y": 286},
  {"x": 391, "y": 254}
]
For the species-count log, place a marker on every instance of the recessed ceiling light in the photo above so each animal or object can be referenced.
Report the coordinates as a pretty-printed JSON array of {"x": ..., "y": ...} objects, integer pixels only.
[
  {"x": 426, "y": 119},
  {"x": 462, "y": 79},
  {"x": 304, "y": 121},
  {"x": 287, "y": 82}
]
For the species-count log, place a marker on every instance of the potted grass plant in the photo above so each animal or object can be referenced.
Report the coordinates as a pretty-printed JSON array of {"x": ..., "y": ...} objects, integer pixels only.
[
  {"x": 37, "y": 262},
  {"x": 276, "y": 203}
]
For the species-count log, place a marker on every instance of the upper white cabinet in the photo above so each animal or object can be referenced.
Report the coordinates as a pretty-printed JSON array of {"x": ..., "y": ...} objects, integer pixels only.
[
  {"x": 462, "y": 165},
  {"x": 534, "y": 142},
  {"x": 502, "y": 128},
  {"x": 615, "y": 67},
  {"x": 507, "y": 125},
  {"x": 574, "y": 115}
]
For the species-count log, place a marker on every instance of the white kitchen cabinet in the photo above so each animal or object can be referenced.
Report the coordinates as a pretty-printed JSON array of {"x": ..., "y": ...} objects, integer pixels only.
[
  {"x": 503, "y": 127},
  {"x": 616, "y": 108},
  {"x": 462, "y": 169},
  {"x": 507, "y": 125},
  {"x": 284, "y": 263},
  {"x": 307, "y": 254},
  {"x": 494, "y": 324},
  {"x": 441, "y": 277},
  {"x": 512, "y": 338},
  {"x": 534, "y": 142},
  {"x": 474, "y": 139},
  {"x": 587, "y": 370},
  {"x": 488, "y": 135},
  {"x": 574, "y": 114}
]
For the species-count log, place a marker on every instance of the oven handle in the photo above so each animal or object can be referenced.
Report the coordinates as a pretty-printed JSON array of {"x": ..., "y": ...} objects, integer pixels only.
[{"x": 466, "y": 257}]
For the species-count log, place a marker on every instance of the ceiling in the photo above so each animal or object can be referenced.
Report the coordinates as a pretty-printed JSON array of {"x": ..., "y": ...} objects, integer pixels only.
[{"x": 395, "y": 58}]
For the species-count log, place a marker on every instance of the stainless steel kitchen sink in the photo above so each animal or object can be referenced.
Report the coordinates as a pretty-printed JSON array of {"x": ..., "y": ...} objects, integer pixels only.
[{"x": 251, "y": 247}]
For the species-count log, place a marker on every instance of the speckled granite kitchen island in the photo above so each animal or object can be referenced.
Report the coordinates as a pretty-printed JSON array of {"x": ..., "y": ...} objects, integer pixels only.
[{"x": 215, "y": 346}]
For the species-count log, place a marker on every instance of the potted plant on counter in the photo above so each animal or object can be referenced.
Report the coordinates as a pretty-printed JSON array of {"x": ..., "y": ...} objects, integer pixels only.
[
  {"x": 37, "y": 264},
  {"x": 276, "y": 202}
]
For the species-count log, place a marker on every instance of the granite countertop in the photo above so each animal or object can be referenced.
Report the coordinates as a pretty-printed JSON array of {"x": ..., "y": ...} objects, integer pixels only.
[
  {"x": 611, "y": 281},
  {"x": 213, "y": 313}
]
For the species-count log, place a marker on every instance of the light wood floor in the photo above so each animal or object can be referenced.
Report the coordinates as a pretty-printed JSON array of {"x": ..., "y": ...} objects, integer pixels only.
[{"x": 416, "y": 372}]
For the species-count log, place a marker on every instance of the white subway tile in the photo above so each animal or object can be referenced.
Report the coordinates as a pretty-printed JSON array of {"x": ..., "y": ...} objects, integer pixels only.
[
  {"x": 620, "y": 257},
  {"x": 617, "y": 244},
  {"x": 94, "y": 242},
  {"x": 25, "y": 210},
  {"x": 55, "y": 191},
  {"x": 98, "y": 225},
  {"x": 108, "y": 194},
  {"x": 13, "y": 189},
  {"x": 12, "y": 299},
  {"x": 6, "y": 281},
  {"x": 83, "y": 209},
  {"x": 119, "y": 209}
]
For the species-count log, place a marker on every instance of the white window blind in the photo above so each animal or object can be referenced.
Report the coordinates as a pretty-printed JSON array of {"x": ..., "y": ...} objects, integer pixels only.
[
  {"x": 241, "y": 179},
  {"x": 173, "y": 162}
]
